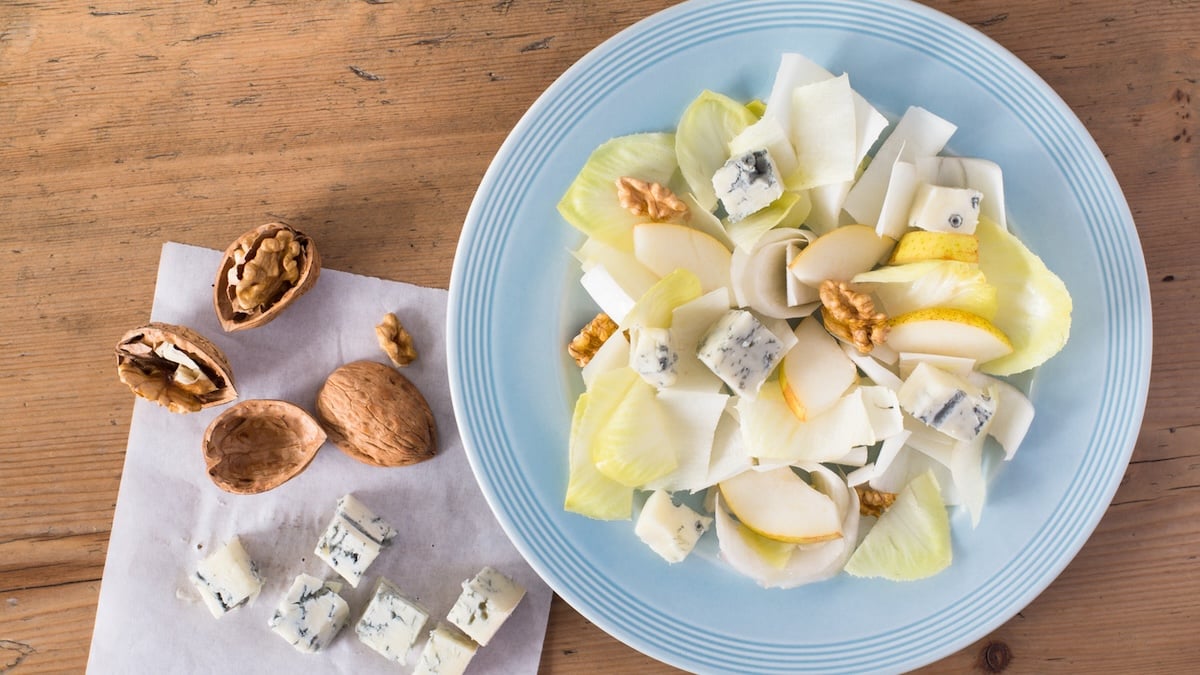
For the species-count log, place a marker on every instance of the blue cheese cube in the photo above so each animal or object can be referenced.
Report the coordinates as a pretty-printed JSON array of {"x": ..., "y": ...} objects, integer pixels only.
[
  {"x": 447, "y": 652},
  {"x": 392, "y": 622},
  {"x": 311, "y": 614},
  {"x": 670, "y": 530},
  {"x": 485, "y": 604},
  {"x": 945, "y": 209},
  {"x": 652, "y": 355},
  {"x": 946, "y": 402},
  {"x": 747, "y": 184},
  {"x": 353, "y": 539},
  {"x": 741, "y": 351},
  {"x": 227, "y": 579}
]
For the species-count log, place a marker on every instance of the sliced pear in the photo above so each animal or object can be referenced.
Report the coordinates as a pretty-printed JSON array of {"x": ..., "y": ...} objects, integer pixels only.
[
  {"x": 815, "y": 372},
  {"x": 911, "y": 540},
  {"x": 839, "y": 255},
  {"x": 774, "y": 435},
  {"x": 949, "y": 332},
  {"x": 779, "y": 504},
  {"x": 666, "y": 247},
  {"x": 918, "y": 245},
  {"x": 1033, "y": 305}
]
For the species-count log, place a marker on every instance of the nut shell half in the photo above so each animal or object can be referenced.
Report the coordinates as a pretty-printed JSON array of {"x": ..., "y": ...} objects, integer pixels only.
[
  {"x": 261, "y": 273},
  {"x": 376, "y": 415},
  {"x": 260, "y": 444},
  {"x": 174, "y": 384}
]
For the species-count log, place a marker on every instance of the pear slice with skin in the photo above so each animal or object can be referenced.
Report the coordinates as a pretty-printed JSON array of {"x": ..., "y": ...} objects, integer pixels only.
[
  {"x": 840, "y": 254},
  {"x": 666, "y": 247},
  {"x": 815, "y": 372},
  {"x": 780, "y": 505},
  {"x": 947, "y": 332},
  {"x": 918, "y": 245}
]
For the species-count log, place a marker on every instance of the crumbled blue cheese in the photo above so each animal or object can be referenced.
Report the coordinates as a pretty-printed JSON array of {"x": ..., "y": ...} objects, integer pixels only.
[
  {"x": 311, "y": 614},
  {"x": 946, "y": 402},
  {"x": 485, "y": 603},
  {"x": 670, "y": 530},
  {"x": 741, "y": 351},
  {"x": 227, "y": 579},
  {"x": 447, "y": 652},
  {"x": 747, "y": 184},
  {"x": 945, "y": 209},
  {"x": 652, "y": 355},
  {"x": 392, "y": 622},
  {"x": 353, "y": 539}
]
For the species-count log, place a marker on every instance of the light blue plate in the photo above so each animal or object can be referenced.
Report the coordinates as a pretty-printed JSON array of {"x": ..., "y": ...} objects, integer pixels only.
[{"x": 514, "y": 304}]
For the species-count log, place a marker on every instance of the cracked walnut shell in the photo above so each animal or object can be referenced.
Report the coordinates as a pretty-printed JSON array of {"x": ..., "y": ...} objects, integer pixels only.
[
  {"x": 376, "y": 415},
  {"x": 175, "y": 367},
  {"x": 261, "y": 273},
  {"x": 260, "y": 444}
]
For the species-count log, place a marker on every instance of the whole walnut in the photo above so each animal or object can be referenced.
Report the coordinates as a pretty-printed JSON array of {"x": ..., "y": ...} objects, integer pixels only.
[{"x": 376, "y": 415}]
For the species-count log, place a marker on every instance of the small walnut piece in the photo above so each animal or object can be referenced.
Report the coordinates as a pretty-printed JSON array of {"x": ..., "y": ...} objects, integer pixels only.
[
  {"x": 652, "y": 200},
  {"x": 851, "y": 315},
  {"x": 376, "y": 415},
  {"x": 262, "y": 272},
  {"x": 872, "y": 502},
  {"x": 258, "y": 445},
  {"x": 585, "y": 345},
  {"x": 175, "y": 367},
  {"x": 396, "y": 341}
]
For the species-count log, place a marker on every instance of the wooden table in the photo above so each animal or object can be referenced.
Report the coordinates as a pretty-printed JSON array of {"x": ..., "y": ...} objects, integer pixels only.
[{"x": 369, "y": 124}]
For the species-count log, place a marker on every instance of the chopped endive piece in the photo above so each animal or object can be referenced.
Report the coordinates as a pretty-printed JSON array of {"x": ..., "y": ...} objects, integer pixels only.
[
  {"x": 633, "y": 445},
  {"x": 932, "y": 283},
  {"x": 702, "y": 139},
  {"x": 590, "y": 203},
  {"x": 911, "y": 540},
  {"x": 607, "y": 292},
  {"x": 761, "y": 281},
  {"x": 897, "y": 202},
  {"x": 772, "y": 432},
  {"x": 654, "y": 309},
  {"x": 689, "y": 322},
  {"x": 589, "y": 492},
  {"x": 787, "y": 212},
  {"x": 691, "y": 417},
  {"x": 670, "y": 530},
  {"x": 1014, "y": 413},
  {"x": 823, "y": 133},
  {"x": 1033, "y": 304},
  {"x": 613, "y": 354}
]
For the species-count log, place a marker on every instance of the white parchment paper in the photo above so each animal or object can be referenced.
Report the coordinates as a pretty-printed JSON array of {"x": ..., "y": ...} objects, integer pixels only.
[{"x": 169, "y": 514}]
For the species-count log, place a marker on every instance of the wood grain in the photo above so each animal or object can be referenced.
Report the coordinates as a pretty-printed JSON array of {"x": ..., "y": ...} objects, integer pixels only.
[{"x": 369, "y": 124}]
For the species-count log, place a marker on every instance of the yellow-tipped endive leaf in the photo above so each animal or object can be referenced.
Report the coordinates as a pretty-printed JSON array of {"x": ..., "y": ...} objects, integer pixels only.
[
  {"x": 911, "y": 540},
  {"x": 589, "y": 492},
  {"x": 702, "y": 139},
  {"x": 590, "y": 203},
  {"x": 654, "y": 309},
  {"x": 632, "y": 446},
  {"x": 931, "y": 283},
  {"x": 1033, "y": 304}
]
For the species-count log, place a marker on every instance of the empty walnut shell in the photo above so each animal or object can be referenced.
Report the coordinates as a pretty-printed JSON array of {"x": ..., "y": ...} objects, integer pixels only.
[
  {"x": 376, "y": 415},
  {"x": 175, "y": 367},
  {"x": 260, "y": 444},
  {"x": 263, "y": 272}
]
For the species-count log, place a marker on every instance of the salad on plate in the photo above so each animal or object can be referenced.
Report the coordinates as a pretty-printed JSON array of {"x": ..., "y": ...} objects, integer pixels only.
[{"x": 807, "y": 321}]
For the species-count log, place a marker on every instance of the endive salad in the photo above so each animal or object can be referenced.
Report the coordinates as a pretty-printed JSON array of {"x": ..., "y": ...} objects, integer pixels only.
[{"x": 806, "y": 317}]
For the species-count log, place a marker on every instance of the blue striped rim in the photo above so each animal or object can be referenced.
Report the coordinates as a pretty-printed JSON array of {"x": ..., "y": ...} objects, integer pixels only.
[{"x": 491, "y": 449}]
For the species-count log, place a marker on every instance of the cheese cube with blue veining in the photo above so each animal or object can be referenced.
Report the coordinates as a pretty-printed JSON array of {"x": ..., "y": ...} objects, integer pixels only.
[
  {"x": 747, "y": 184},
  {"x": 652, "y": 355},
  {"x": 947, "y": 402},
  {"x": 741, "y": 351},
  {"x": 227, "y": 579},
  {"x": 447, "y": 652},
  {"x": 945, "y": 209},
  {"x": 485, "y": 604},
  {"x": 353, "y": 539},
  {"x": 391, "y": 622},
  {"x": 670, "y": 530},
  {"x": 311, "y": 614}
]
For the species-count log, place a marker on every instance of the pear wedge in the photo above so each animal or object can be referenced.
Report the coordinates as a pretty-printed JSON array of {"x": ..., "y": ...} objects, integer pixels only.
[
  {"x": 778, "y": 504},
  {"x": 948, "y": 332},
  {"x": 840, "y": 254}
]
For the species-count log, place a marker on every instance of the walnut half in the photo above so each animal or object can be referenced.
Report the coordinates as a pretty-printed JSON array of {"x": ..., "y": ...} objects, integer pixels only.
[
  {"x": 851, "y": 315},
  {"x": 175, "y": 367},
  {"x": 590, "y": 338},
  {"x": 262, "y": 272},
  {"x": 653, "y": 200}
]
